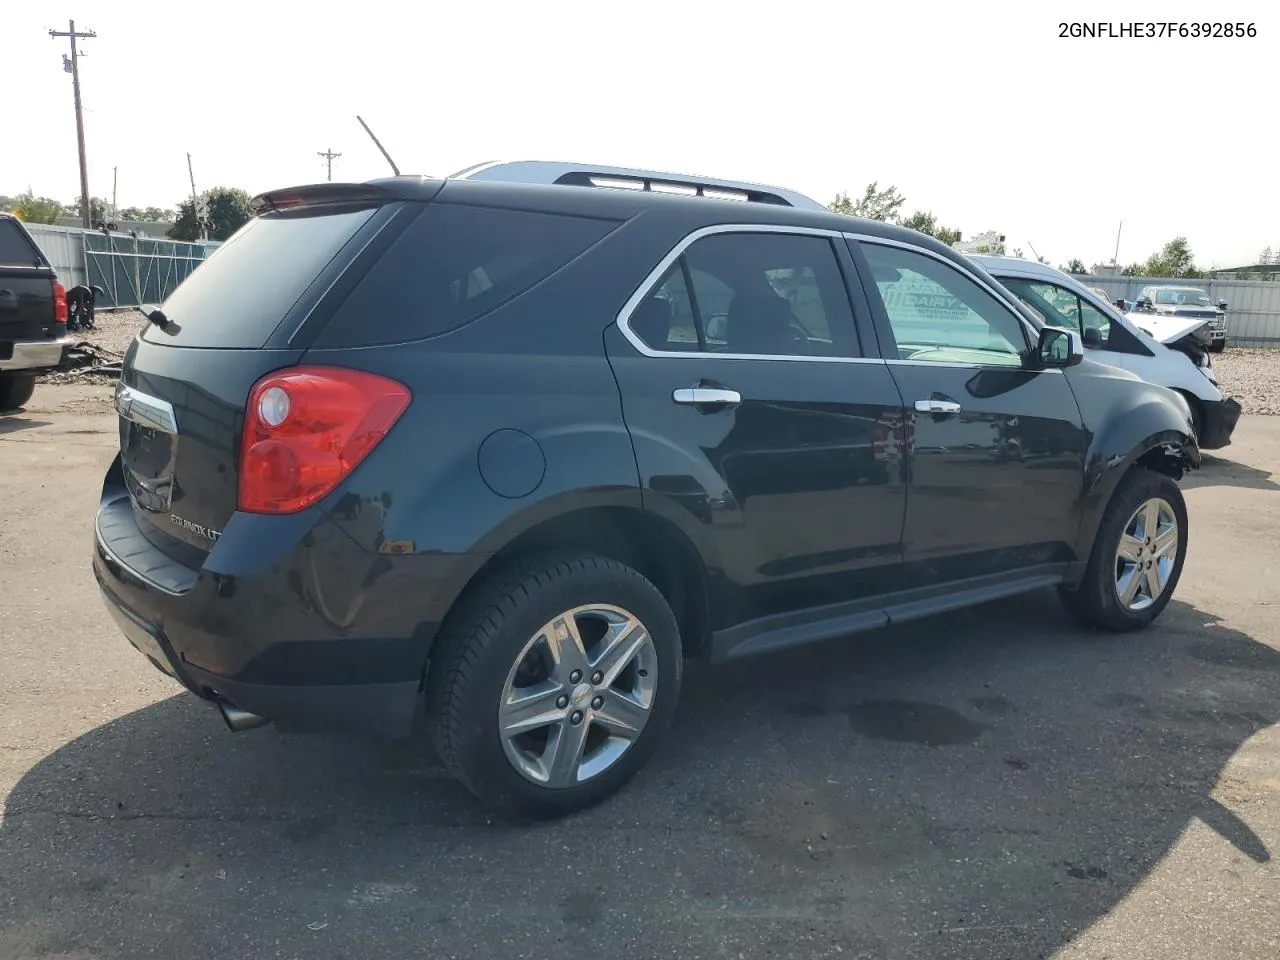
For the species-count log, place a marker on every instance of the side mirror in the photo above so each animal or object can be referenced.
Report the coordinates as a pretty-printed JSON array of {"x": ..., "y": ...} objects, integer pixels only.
[
  {"x": 1059, "y": 347},
  {"x": 1092, "y": 337},
  {"x": 1222, "y": 305},
  {"x": 1120, "y": 304}
]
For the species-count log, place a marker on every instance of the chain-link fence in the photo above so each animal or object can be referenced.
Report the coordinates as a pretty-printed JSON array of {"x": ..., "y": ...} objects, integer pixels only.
[{"x": 129, "y": 270}]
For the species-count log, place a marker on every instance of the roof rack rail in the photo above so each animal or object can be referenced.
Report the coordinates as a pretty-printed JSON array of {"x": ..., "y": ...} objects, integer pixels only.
[{"x": 626, "y": 178}]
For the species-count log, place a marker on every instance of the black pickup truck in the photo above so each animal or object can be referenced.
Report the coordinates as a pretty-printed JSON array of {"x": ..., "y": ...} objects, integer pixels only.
[{"x": 33, "y": 314}]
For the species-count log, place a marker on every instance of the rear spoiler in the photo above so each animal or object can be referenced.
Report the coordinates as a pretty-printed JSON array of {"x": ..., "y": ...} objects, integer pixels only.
[{"x": 330, "y": 194}]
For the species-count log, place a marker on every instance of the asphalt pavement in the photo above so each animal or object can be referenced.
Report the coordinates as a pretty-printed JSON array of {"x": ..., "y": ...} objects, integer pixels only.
[{"x": 994, "y": 783}]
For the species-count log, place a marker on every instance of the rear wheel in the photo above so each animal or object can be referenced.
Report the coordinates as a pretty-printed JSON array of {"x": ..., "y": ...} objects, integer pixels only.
[
  {"x": 1137, "y": 555},
  {"x": 554, "y": 682},
  {"x": 15, "y": 389}
]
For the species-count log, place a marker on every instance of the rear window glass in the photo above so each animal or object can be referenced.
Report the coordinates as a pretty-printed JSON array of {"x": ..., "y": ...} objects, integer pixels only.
[
  {"x": 239, "y": 295},
  {"x": 15, "y": 251},
  {"x": 453, "y": 264}
]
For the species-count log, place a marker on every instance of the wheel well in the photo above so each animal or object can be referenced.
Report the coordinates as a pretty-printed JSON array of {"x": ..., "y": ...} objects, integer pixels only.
[
  {"x": 649, "y": 545},
  {"x": 1164, "y": 458}
]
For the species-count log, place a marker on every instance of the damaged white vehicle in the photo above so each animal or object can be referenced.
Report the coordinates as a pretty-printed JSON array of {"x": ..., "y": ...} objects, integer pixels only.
[{"x": 1169, "y": 350}]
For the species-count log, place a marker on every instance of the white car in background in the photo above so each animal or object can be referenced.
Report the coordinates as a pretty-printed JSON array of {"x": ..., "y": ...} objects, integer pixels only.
[{"x": 1168, "y": 351}]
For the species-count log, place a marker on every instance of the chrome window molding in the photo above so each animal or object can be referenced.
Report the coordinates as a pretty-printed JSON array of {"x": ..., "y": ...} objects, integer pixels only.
[{"x": 655, "y": 276}]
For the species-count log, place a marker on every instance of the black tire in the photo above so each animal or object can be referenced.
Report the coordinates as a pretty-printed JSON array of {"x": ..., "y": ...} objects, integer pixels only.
[
  {"x": 1218, "y": 345},
  {"x": 1094, "y": 601},
  {"x": 478, "y": 647},
  {"x": 15, "y": 390}
]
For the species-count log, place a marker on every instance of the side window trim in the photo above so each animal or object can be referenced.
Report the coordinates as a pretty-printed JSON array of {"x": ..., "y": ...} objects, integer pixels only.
[
  {"x": 883, "y": 328},
  {"x": 659, "y": 273}
]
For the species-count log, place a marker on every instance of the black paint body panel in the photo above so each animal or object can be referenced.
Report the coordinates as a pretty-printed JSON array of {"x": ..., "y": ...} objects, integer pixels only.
[{"x": 823, "y": 502}]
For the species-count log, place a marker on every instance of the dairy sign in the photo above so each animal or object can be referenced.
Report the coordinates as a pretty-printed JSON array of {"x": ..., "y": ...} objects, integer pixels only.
[{"x": 926, "y": 312}]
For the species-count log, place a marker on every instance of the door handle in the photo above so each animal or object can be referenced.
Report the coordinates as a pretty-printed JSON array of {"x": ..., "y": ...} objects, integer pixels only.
[
  {"x": 706, "y": 396},
  {"x": 937, "y": 406}
]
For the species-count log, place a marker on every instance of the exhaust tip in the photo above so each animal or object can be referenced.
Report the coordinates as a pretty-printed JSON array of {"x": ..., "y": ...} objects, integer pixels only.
[{"x": 238, "y": 720}]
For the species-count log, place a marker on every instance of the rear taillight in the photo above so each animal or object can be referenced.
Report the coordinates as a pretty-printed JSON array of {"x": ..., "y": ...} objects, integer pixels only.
[
  {"x": 307, "y": 428},
  {"x": 59, "y": 303}
]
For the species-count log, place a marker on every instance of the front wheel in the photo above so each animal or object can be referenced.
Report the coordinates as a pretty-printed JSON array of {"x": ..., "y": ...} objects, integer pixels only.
[
  {"x": 1218, "y": 345},
  {"x": 1137, "y": 555},
  {"x": 552, "y": 685}
]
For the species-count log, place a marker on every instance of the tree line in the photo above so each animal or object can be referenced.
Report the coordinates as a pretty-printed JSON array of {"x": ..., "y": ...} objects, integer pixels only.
[
  {"x": 1174, "y": 259},
  {"x": 228, "y": 209}
]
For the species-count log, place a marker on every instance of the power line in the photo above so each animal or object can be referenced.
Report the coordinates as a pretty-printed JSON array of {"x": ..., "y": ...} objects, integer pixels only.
[
  {"x": 329, "y": 156},
  {"x": 72, "y": 66}
]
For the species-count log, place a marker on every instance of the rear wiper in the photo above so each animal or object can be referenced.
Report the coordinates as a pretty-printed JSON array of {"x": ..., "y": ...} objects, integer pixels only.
[{"x": 155, "y": 315}]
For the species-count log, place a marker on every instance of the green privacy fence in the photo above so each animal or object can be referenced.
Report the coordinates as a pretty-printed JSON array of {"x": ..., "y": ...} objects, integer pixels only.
[{"x": 137, "y": 270}]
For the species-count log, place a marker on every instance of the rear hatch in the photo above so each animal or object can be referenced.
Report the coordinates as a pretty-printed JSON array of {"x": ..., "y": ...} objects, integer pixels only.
[
  {"x": 27, "y": 295},
  {"x": 242, "y": 314}
]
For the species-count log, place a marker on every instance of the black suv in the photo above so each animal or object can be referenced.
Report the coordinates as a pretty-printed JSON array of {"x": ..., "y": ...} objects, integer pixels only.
[{"x": 503, "y": 455}]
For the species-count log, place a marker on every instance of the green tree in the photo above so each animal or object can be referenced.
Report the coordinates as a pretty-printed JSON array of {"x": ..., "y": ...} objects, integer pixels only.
[
  {"x": 1174, "y": 260},
  {"x": 228, "y": 212},
  {"x": 926, "y": 222},
  {"x": 35, "y": 209},
  {"x": 148, "y": 215},
  {"x": 874, "y": 204},
  {"x": 1075, "y": 266},
  {"x": 1266, "y": 257},
  {"x": 97, "y": 209}
]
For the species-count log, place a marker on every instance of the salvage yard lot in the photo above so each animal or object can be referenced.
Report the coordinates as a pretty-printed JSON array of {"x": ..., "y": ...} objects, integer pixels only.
[{"x": 995, "y": 783}]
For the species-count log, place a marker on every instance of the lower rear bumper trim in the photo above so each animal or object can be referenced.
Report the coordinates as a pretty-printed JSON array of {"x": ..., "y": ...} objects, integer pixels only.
[{"x": 35, "y": 355}]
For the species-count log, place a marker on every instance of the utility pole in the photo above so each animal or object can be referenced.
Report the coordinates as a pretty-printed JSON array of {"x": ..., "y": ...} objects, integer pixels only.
[
  {"x": 115, "y": 216},
  {"x": 72, "y": 66},
  {"x": 329, "y": 156},
  {"x": 199, "y": 209},
  {"x": 1115, "y": 260}
]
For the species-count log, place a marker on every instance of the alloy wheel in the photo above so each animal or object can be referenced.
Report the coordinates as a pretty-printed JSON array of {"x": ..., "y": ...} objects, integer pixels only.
[
  {"x": 578, "y": 695},
  {"x": 1146, "y": 554}
]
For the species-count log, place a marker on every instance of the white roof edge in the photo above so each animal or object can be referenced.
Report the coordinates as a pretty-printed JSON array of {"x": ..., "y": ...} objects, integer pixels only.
[{"x": 549, "y": 171}]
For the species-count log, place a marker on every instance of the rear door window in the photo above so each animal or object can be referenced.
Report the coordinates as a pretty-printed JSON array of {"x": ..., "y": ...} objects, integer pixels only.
[
  {"x": 239, "y": 295},
  {"x": 751, "y": 294},
  {"x": 452, "y": 265},
  {"x": 15, "y": 250}
]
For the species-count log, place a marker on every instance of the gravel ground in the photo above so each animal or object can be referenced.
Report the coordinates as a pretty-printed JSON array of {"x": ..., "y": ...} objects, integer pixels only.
[{"x": 1250, "y": 374}]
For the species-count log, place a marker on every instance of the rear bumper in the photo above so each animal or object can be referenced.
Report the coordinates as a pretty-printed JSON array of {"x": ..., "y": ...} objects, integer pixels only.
[
  {"x": 272, "y": 640},
  {"x": 34, "y": 355},
  {"x": 1220, "y": 419}
]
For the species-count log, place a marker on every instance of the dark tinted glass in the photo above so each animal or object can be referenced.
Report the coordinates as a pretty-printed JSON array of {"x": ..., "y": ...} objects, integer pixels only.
[
  {"x": 238, "y": 296},
  {"x": 15, "y": 251},
  {"x": 758, "y": 294},
  {"x": 453, "y": 264}
]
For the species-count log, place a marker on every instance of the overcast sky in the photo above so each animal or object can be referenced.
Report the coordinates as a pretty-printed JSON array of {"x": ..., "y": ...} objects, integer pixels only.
[{"x": 976, "y": 111}]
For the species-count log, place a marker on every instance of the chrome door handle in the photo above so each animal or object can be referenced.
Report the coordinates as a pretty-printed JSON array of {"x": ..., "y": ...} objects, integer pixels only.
[
  {"x": 708, "y": 396},
  {"x": 937, "y": 406}
]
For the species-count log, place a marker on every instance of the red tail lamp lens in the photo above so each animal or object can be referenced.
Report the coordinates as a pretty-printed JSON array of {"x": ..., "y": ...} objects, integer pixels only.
[
  {"x": 59, "y": 303},
  {"x": 307, "y": 428}
]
